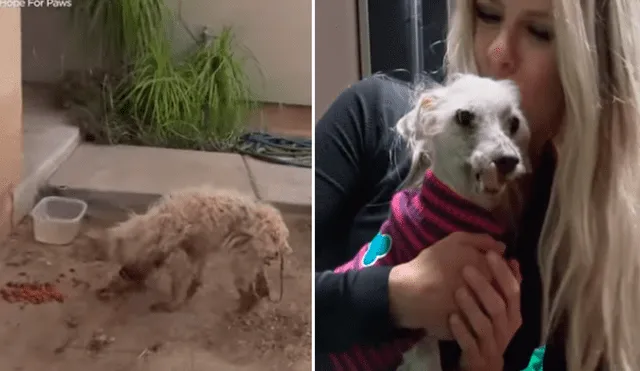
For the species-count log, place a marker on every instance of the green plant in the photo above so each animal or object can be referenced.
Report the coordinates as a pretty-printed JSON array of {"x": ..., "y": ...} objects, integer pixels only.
[
  {"x": 201, "y": 100},
  {"x": 220, "y": 86},
  {"x": 121, "y": 29}
]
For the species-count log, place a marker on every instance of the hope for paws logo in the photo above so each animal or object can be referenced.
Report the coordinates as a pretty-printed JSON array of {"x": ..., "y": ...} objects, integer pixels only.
[
  {"x": 36, "y": 3},
  {"x": 49, "y": 3},
  {"x": 378, "y": 248}
]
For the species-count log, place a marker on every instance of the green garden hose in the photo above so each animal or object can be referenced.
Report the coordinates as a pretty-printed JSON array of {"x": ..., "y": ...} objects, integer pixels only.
[{"x": 291, "y": 151}]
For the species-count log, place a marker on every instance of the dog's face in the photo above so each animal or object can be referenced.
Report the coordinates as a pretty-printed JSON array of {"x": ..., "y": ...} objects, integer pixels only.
[
  {"x": 475, "y": 135},
  {"x": 274, "y": 231}
]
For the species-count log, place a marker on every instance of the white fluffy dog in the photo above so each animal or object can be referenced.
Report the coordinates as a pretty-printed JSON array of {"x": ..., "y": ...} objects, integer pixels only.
[
  {"x": 180, "y": 232},
  {"x": 473, "y": 136}
]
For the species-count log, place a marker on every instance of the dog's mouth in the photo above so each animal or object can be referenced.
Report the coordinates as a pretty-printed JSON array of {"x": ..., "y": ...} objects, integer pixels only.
[
  {"x": 491, "y": 182},
  {"x": 494, "y": 191}
]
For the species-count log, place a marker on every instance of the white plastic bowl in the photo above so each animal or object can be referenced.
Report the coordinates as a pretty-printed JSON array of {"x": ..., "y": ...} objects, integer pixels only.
[{"x": 57, "y": 220}]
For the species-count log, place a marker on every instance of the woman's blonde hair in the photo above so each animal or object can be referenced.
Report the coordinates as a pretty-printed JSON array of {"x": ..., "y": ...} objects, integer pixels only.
[{"x": 589, "y": 251}]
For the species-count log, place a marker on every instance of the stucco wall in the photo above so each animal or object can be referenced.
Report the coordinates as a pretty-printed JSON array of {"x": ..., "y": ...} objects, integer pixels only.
[
  {"x": 10, "y": 113},
  {"x": 278, "y": 33}
]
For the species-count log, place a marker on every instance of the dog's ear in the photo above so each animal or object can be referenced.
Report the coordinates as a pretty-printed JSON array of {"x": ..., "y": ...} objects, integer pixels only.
[
  {"x": 415, "y": 126},
  {"x": 408, "y": 125},
  {"x": 239, "y": 238}
]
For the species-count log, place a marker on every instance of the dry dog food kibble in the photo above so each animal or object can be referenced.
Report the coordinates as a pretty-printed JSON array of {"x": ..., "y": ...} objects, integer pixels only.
[{"x": 32, "y": 293}]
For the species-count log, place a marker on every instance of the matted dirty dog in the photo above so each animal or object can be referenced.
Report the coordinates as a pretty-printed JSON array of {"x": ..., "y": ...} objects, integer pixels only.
[
  {"x": 469, "y": 141},
  {"x": 180, "y": 231}
]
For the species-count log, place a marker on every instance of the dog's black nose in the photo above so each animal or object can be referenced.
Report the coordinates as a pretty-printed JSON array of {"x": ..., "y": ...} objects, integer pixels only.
[{"x": 506, "y": 164}]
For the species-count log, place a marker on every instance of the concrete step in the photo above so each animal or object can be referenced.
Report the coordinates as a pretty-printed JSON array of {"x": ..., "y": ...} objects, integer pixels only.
[
  {"x": 287, "y": 186},
  {"x": 131, "y": 177},
  {"x": 48, "y": 141}
]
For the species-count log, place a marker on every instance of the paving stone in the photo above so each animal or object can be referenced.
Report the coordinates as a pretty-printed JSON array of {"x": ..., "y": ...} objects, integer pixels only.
[{"x": 281, "y": 184}]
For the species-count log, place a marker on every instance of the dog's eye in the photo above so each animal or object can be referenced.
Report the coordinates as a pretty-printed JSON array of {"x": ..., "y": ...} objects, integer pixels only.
[
  {"x": 514, "y": 125},
  {"x": 464, "y": 117}
]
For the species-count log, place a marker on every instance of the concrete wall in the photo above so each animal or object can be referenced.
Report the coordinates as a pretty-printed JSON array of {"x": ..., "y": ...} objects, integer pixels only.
[
  {"x": 10, "y": 114},
  {"x": 277, "y": 32},
  {"x": 337, "y": 57},
  {"x": 49, "y": 45}
]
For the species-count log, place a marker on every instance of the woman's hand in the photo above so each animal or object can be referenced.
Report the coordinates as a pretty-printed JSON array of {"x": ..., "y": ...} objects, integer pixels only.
[
  {"x": 421, "y": 291},
  {"x": 489, "y": 317}
]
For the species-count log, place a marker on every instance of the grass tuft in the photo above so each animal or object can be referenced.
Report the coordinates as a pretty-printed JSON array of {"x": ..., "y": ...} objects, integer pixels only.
[{"x": 146, "y": 95}]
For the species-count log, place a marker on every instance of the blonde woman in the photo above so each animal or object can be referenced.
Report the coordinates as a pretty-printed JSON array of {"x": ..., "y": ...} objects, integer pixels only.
[{"x": 577, "y": 64}]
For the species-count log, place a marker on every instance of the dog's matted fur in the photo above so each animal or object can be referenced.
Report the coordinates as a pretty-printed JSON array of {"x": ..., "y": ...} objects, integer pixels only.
[{"x": 180, "y": 231}]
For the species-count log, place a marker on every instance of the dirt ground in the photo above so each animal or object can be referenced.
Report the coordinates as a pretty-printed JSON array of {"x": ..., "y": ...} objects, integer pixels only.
[{"x": 204, "y": 335}]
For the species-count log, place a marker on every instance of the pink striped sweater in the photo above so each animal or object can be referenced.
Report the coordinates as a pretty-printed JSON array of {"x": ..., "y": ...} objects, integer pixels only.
[{"x": 418, "y": 218}]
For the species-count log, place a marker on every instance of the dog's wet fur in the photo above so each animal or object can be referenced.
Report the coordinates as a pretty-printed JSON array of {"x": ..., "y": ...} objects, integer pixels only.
[{"x": 181, "y": 230}]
